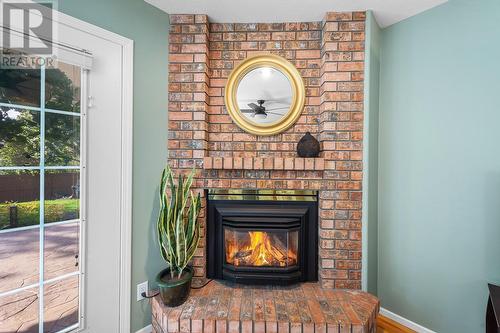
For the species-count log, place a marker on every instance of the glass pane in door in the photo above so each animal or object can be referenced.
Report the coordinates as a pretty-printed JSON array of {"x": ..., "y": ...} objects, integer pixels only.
[
  {"x": 19, "y": 198},
  {"x": 19, "y": 312},
  {"x": 62, "y": 246},
  {"x": 19, "y": 259},
  {"x": 19, "y": 137},
  {"x": 63, "y": 87},
  {"x": 62, "y": 139},
  {"x": 20, "y": 86},
  {"x": 60, "y": 309},
  {"x": 62, "y": 195}
]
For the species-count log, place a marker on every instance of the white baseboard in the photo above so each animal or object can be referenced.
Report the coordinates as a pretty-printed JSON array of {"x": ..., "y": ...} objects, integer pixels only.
[
  {"x": 147, "y": 329},
  {"x": 403, "y": 321}
]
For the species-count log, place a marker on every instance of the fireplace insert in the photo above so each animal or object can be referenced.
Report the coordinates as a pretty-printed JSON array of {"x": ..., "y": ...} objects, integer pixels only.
[{"x": 262, "y": 236}]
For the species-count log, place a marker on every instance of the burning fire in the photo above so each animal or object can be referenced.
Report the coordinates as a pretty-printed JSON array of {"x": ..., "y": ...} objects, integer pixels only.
[{"x": 262, "y": 250}]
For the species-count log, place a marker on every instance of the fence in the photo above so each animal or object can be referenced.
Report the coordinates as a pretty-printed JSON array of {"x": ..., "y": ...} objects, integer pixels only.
[{"x": 26, "y": 187}]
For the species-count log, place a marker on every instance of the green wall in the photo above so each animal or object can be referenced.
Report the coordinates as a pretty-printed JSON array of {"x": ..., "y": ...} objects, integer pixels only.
[
  {"x": 370, "y": 155},
  {"x": 148, "y": 27},
  {"x": 439, "y": 165}
]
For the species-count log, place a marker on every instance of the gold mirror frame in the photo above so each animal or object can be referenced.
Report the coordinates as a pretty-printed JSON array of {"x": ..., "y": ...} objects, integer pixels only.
[{"x": 298, "y": 90}]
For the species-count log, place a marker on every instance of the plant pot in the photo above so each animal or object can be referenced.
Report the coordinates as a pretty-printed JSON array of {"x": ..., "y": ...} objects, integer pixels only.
[{"x": 174, "y": 292}]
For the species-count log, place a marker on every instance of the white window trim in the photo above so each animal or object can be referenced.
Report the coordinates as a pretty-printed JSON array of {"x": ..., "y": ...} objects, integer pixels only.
[{"x": 126, "y": 159}]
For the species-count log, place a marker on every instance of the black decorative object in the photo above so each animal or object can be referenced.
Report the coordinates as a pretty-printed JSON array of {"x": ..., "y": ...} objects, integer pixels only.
[
  {"x": 493, "y": 310},
  {"x": 308, "y": 146}
]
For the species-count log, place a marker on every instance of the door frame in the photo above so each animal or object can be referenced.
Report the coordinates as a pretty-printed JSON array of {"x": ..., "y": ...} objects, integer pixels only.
[
  {"x": 127, "y": 103},
  {"x": 127, "y": 89}
]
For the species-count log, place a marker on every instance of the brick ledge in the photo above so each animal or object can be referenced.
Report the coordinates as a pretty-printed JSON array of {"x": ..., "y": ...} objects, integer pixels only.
[{"x": 264, "y": 163}]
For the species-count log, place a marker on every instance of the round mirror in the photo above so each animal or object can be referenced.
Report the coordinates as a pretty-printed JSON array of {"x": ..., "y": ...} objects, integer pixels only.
[{"x": 265, "y": 95}]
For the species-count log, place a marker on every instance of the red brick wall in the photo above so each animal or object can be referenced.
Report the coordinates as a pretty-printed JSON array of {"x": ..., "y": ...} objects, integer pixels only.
[
  {"x": 329, "y": 55},
  {"x": 188, "y": 90},
  {"x": 299, "y": 43}
]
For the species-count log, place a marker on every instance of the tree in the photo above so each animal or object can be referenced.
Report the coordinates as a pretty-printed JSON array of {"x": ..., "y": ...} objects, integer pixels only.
[{"x": 20, "y": 129}]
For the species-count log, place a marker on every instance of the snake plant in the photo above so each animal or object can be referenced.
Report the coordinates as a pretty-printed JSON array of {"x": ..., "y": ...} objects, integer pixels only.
[{"x": 178, "y": 227}]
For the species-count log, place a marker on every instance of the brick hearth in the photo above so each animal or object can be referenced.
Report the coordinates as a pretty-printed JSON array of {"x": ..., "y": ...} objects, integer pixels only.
[
  {"x": 330, "y": 58},
  {"x": 304, "y": 308}
]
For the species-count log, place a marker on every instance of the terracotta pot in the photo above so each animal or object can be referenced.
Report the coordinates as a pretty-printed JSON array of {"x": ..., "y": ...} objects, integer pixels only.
[{"x": 174, "y": 292}]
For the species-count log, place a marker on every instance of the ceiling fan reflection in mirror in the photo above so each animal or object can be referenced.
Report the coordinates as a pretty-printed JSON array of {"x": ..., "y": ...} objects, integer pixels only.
[{"x": 260, "y": 111}]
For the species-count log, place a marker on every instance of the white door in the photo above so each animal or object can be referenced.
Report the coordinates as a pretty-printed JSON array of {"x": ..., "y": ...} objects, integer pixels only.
[{"x": 63, "y": 188}]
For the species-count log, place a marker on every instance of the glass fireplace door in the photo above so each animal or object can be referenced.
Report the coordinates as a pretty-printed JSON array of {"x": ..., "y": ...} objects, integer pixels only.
[{"x": 261, "y": 248}]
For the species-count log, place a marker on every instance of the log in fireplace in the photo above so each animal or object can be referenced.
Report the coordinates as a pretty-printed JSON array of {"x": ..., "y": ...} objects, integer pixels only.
[{"x": 262, "y": 236}]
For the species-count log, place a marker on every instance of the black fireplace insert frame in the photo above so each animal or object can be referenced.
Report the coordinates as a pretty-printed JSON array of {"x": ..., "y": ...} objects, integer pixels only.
[{"x": 262, "y": 211}]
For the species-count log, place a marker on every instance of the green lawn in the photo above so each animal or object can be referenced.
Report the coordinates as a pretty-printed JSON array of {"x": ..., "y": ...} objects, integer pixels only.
[{"x": 28, "y": 212}]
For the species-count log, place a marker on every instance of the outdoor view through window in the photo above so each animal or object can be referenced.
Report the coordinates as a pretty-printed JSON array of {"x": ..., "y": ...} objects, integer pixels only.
[{"x": 40, "y": 125}]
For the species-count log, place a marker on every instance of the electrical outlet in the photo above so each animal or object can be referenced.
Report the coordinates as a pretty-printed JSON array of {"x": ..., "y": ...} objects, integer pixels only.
[{"x": 142, "y": 288}]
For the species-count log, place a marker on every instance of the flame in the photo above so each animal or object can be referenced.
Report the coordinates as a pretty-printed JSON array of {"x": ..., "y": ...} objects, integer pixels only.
[{"x": 261, "y": 250}]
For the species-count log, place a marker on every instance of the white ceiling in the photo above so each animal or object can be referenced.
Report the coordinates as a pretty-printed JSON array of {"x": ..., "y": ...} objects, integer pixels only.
[{"x": 386, "y": 12}]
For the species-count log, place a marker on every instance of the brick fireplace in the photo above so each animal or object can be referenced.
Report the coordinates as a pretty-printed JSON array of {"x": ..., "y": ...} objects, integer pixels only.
[{"x": 330, "y": 58}]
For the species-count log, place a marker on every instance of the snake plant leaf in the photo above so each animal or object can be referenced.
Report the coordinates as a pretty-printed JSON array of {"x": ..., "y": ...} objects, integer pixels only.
[
  {"x": 187, "y": 185},
  {"x": 193, "y": 213},
  {"x": 194, "y": 226},
  {"x": 161, "y": 216},
  {"x": 170, "y": 213},
  {"x": 190, "y": 225},
  {"x": 178, "y": 229},
  {"x": 160, "y": 237}
]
